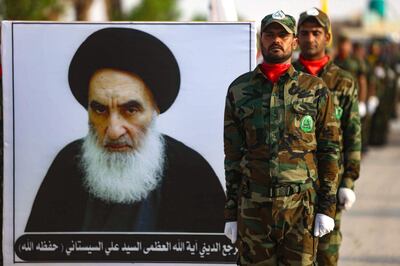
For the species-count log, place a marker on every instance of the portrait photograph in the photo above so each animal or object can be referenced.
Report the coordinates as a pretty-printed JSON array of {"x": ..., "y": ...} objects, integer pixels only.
[{"x": 113, "y": 139}]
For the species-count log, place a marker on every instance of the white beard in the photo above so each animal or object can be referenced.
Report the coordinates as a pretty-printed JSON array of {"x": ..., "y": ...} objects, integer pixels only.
[{"x": 123, "y": 177}]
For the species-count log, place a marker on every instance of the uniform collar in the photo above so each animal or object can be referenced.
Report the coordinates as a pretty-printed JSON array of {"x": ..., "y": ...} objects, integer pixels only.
[{"x": 325, "y": 68}]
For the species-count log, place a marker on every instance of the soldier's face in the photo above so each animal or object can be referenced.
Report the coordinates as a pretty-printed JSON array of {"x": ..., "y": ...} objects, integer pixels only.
[
  {"x": 345, "y": 48},
  {"x": 375, "y": 49},
  {"x": 360, "y": 52},
  {"x": 277, "y": 44},
  {"x": 313, "y": 40},
  {"x": 120, "y": 109}
]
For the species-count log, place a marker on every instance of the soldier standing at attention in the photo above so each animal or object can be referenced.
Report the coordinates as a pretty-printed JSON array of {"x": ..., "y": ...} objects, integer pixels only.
[
  {"x": 314, "y": 35},
  {"x": 366, "y": 108},
  {"x": 280, "y": 137},
  {"x": 380, "y": 82}
]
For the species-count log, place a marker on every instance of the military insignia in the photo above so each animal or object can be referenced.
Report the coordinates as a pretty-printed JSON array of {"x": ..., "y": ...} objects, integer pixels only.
[
  {"x": 278, "y": 15},
  {"x": 338, "y": 112},
  {"x": 307, "y": 124},
  {"x": 312, "y": 12}
]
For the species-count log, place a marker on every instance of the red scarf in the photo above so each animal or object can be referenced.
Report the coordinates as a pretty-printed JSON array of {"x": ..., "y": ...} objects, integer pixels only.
[
  {"x": 314, "y": 66},
  {"x": 274, "y": 71}
]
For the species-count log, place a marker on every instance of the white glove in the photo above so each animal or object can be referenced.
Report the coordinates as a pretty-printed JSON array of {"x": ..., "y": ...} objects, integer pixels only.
[
  {"x": 380, "y": 72},
  {"x": 373, "y": 103},
  {"x": 230, "y": 231},
  {"x": 323, "y": 225},
  {"x": 347, "y": 197},
  {"x": 391, "y": 74},
  {"x": 362, "y": 109}
]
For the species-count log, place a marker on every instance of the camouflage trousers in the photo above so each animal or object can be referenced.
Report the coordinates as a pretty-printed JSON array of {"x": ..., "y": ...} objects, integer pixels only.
[
  {"x": 277, "y": 231},
  {"x": 328, "y": 246},
  {"x": 365, "y": 128}
]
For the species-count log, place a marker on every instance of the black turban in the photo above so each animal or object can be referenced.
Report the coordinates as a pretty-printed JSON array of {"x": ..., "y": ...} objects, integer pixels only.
[{"x": 129, "y": 50}]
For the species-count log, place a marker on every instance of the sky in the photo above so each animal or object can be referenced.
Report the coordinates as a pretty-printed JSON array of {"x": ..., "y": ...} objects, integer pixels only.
[{"x": 255, "y": 10}]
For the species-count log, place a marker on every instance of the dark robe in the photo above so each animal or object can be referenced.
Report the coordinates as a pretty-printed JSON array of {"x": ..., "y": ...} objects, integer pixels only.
[{"x": 189, "y": 198}]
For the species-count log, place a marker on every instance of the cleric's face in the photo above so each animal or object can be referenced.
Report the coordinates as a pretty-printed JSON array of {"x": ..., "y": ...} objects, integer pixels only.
[{"x": 121, "y": 109}]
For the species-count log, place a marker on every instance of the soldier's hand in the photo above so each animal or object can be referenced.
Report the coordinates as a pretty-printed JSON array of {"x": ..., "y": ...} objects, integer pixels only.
[
  {"x": 347, "y": 197},
  {"x": 231, "y": 231},
  {"x": 373, "y": 103},
  {"x": 323, "y": 225},
  {"x": 362, "y": 109}
]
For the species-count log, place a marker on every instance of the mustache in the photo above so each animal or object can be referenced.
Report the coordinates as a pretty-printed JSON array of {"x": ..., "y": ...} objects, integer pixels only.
[
  {"x": 310, "y": 44},
  {"x": 123, "y": 140},
  {"x": 273, "y": 46}
]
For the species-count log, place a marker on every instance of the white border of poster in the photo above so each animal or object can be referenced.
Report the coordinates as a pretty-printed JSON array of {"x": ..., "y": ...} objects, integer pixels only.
[{"x": 35, "y": 59}]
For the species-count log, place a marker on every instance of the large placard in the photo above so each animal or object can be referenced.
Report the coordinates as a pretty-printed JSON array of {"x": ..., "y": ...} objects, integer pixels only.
[{"x": 52, "y": 211}]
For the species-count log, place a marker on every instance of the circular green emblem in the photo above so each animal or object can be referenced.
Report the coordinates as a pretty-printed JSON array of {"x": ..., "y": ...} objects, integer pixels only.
[
  {"x": 338, "y": 112},
  {"x": 307, "y": 124}
]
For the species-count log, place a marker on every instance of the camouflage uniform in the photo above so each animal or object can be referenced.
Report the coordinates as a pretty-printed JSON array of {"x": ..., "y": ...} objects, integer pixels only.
[
  {"x": 279, "y": 139},
  {"x": 362, "y": 69},
  {"x": 396, "y": 68},
  {"x": 357, "y": 67},
  {"x": 382, "y": 83},
  {"x": 344, "y": 90},
  {"x": 348, "y": 64}
]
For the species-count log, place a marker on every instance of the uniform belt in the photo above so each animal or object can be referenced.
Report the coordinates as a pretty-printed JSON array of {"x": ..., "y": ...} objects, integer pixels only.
[{"x": 282, "y": 190}]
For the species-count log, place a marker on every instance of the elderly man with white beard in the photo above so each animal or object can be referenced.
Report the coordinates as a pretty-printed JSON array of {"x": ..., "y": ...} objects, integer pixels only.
[{"x": 125, "y": 175}]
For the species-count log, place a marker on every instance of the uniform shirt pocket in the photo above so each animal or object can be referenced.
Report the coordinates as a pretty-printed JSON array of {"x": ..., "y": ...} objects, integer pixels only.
[{"x": 253, "y": 122}]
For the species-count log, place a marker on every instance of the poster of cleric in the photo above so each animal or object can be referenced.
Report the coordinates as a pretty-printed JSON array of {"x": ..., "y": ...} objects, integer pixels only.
[{"x": 113, "y": 140}]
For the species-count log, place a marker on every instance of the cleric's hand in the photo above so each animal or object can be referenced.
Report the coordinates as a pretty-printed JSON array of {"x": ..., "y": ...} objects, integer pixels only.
[
  {"x": 230, "y": 231},
  {"x": 323, "y": 225}
]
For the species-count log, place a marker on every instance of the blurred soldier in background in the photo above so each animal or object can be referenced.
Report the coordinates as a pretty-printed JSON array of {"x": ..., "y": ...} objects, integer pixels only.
[
  {"x": 344, "y": 57},
  {"x": 314, "y": 35},
  {"x": 392, "y": 57},
  {"x": 380, "y": 83},
  {"x": 396, "y": 67},
  {"x": 359, "y": 55},
  {"x": 346, "y": 61}
]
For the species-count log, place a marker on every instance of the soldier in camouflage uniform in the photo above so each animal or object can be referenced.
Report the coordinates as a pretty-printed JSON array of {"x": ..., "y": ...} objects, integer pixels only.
[
  {"x": 380, "y": 81},
  {"x": 393, "y": 58},
  {"x": 347, "y": 61},
  {"x": 314, "y": 36},
  {"x": 367, "y": 98},
  {"x": 280, "y": 137},
  {"x": 344, "y": 57},
  {"x": 365, "y": 107}
]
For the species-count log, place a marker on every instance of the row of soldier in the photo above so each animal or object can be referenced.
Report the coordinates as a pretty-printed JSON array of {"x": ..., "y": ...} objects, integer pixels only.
[
  {"x": 292, "y": 140},
  {"x": 376, "y": 66}
]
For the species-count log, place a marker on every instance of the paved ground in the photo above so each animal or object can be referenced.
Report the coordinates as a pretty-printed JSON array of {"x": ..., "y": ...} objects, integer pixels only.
[{"x": 371, "y": 229}]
